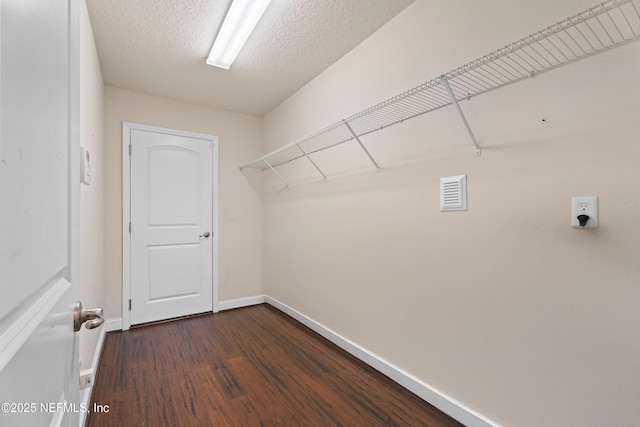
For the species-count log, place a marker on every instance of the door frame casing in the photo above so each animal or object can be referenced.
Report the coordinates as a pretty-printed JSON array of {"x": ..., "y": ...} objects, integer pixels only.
[{"x": 127, "y": 127}]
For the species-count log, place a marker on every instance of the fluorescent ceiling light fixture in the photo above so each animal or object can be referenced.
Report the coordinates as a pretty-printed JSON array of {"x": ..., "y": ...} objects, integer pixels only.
[{"x": 241, "y": 19}]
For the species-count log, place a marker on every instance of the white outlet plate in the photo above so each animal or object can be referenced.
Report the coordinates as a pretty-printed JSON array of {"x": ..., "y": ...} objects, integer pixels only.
[
  {"x": 85, "y": 379},
  {"x": 587, "y": 205}
]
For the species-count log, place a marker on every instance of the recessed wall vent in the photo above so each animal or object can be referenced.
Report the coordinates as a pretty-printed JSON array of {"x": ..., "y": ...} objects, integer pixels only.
[{"x": 453, "y": 193}]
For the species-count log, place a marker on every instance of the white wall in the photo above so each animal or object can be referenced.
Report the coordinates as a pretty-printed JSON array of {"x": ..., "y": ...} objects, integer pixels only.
[
  {"x": 505, "y": 307},
  {"x": 240, "y": 241},
  {"x": 92, "y": 217}
]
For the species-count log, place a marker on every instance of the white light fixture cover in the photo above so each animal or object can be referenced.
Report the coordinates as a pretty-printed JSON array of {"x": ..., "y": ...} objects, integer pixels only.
[{"x": 241, "y": 19}]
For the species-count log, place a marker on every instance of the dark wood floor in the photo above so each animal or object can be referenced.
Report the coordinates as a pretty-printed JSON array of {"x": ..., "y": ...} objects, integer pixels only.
[{"x": 248, "y": 367}]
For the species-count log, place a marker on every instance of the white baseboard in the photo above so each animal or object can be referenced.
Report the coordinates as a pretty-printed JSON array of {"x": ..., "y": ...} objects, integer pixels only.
[
  {"x": 241, "y": 302},
  {"x": 445, "y": 403},
  {"x": 85, "y": 395},
  {"x": 113, "y": 324}
]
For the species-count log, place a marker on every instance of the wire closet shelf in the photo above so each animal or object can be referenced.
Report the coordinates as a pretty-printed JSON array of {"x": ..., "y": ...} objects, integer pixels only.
[{"x": 608, "y": 25}]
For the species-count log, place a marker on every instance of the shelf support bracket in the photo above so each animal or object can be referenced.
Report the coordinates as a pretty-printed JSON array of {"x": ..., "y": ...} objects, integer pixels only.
[
  {"x": 361, "y": 145},
  {"x": 454, "y": 101},
  {"x": 276, "y": 172},
  {"x": 312, "y": 162}
]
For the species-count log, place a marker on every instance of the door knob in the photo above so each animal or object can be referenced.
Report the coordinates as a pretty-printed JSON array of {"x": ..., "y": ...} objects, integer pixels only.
[
  {"x": 91, "y": 316},
  {"x": 206, "y": 235}
]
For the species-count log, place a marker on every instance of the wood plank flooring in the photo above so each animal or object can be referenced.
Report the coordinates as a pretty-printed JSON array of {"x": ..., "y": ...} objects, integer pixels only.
[{"x": 253, "y": 366}]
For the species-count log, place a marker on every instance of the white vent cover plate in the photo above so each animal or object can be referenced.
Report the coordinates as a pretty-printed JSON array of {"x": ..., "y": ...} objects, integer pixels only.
[{"x": 453, "y": 193}]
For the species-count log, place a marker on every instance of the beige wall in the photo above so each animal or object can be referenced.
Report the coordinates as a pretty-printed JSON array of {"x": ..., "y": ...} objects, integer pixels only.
[
  {"x": 92, "y": 217},
  {"x": 240, "y": 241},
  {"x": 505, "y": 307}
]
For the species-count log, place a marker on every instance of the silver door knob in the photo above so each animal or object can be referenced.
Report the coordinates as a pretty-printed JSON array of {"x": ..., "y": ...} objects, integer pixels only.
[
  {"x": 206, "y": 235},
  {"x": 92, "y": 317}
]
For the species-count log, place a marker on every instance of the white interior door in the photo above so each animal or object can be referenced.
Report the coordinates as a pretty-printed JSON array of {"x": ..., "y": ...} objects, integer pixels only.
[
  {"x": 39, "y": 191},
  {"x": 171, "y": 224}
]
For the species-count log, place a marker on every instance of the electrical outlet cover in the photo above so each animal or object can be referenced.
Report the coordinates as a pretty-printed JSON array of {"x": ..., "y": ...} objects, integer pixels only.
[{"x": 587, "y": 205}]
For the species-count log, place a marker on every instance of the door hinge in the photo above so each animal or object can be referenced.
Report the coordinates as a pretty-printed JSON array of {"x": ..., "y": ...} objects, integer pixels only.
[
  {"x": 129, "y": 304},
  {"x": 130, "y": 149},
  {"x": 129, "y": 228}
]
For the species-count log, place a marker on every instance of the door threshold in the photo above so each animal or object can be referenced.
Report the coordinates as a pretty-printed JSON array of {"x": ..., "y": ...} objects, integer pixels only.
[{"x": 172, "y": 319}]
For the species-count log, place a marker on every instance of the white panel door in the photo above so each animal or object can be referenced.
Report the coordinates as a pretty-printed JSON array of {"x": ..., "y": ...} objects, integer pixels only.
[
  {"x": 171, "y": 225},
  {"x": 39, "y": 193}
]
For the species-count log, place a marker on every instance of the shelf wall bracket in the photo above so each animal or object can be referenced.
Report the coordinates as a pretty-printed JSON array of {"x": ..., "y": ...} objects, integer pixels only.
[
  {"x": 455, "y": 103},
  {"x": 362, "y": 145},
  {"x": 276, "y": 172},
  {"x": 312, "y": 162}
]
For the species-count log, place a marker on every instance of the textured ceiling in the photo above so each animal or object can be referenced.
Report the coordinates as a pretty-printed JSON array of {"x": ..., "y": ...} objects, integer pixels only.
[{"x": 159, "y": 47}]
